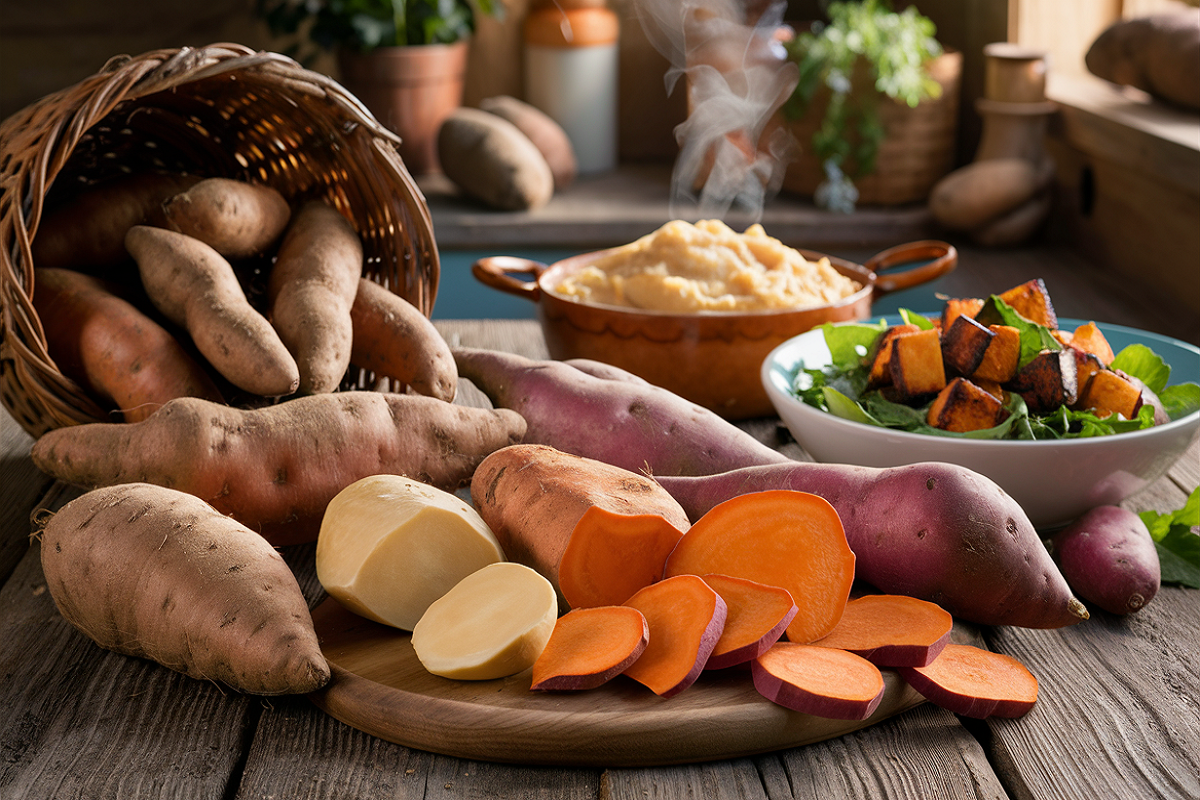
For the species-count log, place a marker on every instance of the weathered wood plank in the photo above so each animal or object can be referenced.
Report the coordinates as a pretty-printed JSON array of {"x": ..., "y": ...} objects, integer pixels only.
[{"x": 22, "y": 488}]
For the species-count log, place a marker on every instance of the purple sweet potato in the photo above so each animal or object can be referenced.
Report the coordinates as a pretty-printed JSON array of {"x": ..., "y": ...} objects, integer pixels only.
[
  {"x": 275, "y": 469},
  {"x": 933, "y": 531},
  {"x": 626, "y": 423},
  {"x": 1109, "y": 559}
]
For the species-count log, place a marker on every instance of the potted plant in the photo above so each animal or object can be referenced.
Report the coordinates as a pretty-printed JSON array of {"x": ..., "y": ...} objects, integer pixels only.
[
  {"x": 404, "y": 59},
  {"x": 875, "y": 110}
]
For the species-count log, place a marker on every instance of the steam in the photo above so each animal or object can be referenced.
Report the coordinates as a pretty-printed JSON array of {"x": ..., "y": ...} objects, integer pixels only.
[{"x": 737, "y": 76}]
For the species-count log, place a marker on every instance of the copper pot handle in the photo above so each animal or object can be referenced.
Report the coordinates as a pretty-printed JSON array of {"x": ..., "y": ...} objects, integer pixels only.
[
  {"x": 498, "y": 271},
  {"x": 944, "y": 255}
]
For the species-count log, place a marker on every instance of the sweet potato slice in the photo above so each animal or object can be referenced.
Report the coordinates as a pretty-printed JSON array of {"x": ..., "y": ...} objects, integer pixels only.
[
  {"x": 686, "y": 617},
  {"x": 973, "y": 682},
  {"x": 835, "y": 684},
  {"x": 784, "y": 538},
  {"x": 589, "y": 647},
  {"x": 610, "y": 556},
  {"x": 892, "y": 630},
  {"x": 756, "y": 617}
]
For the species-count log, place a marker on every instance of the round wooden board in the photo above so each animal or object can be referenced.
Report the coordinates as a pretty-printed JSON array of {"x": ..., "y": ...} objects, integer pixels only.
[{"x": 380, "y": 687}]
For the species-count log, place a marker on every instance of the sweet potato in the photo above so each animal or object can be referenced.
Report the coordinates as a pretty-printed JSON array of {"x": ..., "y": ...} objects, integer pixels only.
[
  {"x": 89, "y": 229},
  {"x": 236, "y": 218},
  {"x": 389, "y": 546},
  {"x": 934, "y": 531},
  {"x": 892, "y": 630},
  {"x": 493, "y": 623},
  {"x": 393, "y": 339},
  {"x": 159, "y": 574},
  {"x": 114, "y": 351},
  {"x": 533, "y": 496},
  {"x": 783, "y": 538},
  {"x": 541, "y": 129},
  {"x": 756, "y": 616},
  {"x": 490, "y": 159},
  {"x": 196, "y": 288},
  {"x": 627, "y": 423},
  {"x": 589, "y": 647},
  {"x": 275, "y": 469},
  {"x": 835, "y": 684},
  {"x": 609, "y": 556},
  {"x": 1109, "y": 559},
  {"x": 685, "y": 616},
  {"x": 310, "y": 292},
  {"x": 974, "y": 682}
]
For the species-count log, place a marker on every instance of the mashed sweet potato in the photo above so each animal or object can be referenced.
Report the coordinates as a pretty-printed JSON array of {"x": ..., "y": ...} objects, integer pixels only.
[{"x": 707, "y": 266}]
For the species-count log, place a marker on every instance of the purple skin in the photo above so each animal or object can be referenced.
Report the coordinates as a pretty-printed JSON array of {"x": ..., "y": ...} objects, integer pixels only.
[
  {"x": 602, "y": 415},
  {"x": 933, "y": 531},
  {"x": 790, "y": 693},
  {"x": 753, "y": 650},
  {"x": 708, "y": 642},
  {"x": 565, "y": 683},
  {"x": 904, "y": 655},
  {"x": 1108, "y": 557}
]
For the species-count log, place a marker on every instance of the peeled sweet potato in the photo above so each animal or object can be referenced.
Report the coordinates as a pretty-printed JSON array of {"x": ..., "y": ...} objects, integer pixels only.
[
  {"x": 933, "y": 531},
  {"x": 275, "y": 469},
  {"x": 597, "y": 414},
  {"x": 157, "y": 573}
]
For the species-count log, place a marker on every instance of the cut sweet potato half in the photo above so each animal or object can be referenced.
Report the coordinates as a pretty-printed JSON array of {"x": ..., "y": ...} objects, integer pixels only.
[
  {"x": 686, "y": 617},
  {"x": 892, "y": 630},
  {"x": 756, "y": 617},
  {"x": 835, "y": 684},
  {"x": 589, "y": 647},
  {"x": 610, "y": 556},
  {"x": 973, "y": 682}
]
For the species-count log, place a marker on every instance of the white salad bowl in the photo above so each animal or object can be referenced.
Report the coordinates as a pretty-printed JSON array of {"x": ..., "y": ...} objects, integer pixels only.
[{"x": 1054, "y": 481}]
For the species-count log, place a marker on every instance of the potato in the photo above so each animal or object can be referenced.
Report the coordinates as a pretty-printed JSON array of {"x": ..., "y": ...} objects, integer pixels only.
[
  {"x": 490, "y": 159},
  {"x": 546, "y": 134},
  {"x": 983, "y": 191},
  {"x": 389, "y": 546}
]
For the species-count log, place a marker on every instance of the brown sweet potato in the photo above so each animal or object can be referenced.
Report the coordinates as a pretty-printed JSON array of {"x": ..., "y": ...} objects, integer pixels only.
[
  {"x": 159, "y": 574},
  {"x": 310, "y": 292},
  {"x": 197, "y": 289},
  {"x": 546, "y": 134},
  {"x": 491, "y": 160},
  {"x": 275, "y": 469},
  {"x": 115, "y": 352},
  {"x": 393, "y": 339},
  {"x": 236, "y": 218},
  {"x": 933, "y": 531}
]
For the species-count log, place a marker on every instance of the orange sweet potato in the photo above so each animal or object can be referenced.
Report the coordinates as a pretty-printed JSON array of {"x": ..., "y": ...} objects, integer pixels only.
[
  {"x": 685, "y": 617},
  {"x": 589, "y": 647}
]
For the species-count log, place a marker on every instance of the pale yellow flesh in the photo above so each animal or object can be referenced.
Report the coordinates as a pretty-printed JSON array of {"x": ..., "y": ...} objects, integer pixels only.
[
  {"x": 390, "y": 546},
  {"x": 493, "y": 624}
]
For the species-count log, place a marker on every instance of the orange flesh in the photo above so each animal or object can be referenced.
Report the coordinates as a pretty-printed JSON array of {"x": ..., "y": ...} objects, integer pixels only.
[
  {"x": 828, "y": 673},
  {"x": 680, "y": 613},
  {"x": 591, "y": 642},
  {"x": 611, "y": 556},
  {"x": 753, "y": 610},
  {"x": 875, "y": 621},
  {"x": 794, "y": 540}
]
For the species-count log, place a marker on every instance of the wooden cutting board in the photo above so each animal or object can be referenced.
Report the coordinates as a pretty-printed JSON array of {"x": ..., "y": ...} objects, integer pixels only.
[{"x": 380, "y": 687}]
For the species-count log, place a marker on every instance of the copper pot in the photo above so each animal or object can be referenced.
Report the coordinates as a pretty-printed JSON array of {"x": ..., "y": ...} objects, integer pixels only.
[{"x": 710, "y": 358}]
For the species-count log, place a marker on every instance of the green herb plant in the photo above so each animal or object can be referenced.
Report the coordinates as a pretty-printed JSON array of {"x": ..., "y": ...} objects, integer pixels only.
[
  {"x": 364, "y": 25},
  {"x": 1174, "y": 534},
  {"x": 861, "y": 38}
]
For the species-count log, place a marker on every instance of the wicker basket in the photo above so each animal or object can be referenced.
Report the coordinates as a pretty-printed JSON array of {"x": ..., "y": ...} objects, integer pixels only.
[
  {"x": 917, "y": 151},
  {"x": 222, "y": 110}
]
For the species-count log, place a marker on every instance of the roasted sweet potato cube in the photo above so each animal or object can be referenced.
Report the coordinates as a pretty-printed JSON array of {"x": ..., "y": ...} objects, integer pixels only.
[
  {"x": 880, "y": 357},
  {"x": 991, "y": 387},
  {"x": 962, "y": 406},
  {"x": 1048, "y": 381},
  {"x": 959, "y": 306},
  {"x": 916, "y": 364},
  {"x": 1032, "y": 301},
  {"x": 1086, "y": 365},
  {"x": 1088, "y": 338},
  {"x": 963, "y": 345},
  {"x": 1003, "y": 354},
  {"x": 1110, "y": 392}
]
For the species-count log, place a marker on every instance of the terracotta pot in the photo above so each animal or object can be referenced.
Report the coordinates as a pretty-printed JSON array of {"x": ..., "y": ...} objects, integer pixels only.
[
  {"x": 411, "y": 91},
  {"x": 714, "y": 358}
]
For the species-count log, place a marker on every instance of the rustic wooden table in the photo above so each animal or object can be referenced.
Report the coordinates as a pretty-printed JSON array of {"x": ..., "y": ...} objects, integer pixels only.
[{"x": 1117, "y": 716}]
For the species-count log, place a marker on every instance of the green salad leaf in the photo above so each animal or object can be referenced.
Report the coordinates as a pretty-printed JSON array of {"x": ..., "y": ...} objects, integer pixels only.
[
  {"x": 1178, "y": 545},
  {"x": 839, "y": 388}
]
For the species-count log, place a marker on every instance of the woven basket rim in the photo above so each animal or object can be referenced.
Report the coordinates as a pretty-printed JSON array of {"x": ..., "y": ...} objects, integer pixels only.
[{"x": 38, "y": 142}]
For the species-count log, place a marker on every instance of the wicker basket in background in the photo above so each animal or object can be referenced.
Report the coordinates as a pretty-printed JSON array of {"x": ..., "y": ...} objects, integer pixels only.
[{"x": 223, "y": 110}]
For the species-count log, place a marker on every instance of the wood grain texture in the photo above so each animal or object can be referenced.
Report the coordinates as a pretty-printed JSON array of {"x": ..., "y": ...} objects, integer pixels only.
[{"x": 380, "y": 687}]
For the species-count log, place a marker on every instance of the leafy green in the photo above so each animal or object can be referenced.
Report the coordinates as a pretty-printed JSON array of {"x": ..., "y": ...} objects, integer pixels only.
[{"x": 1178, "y": 545}]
